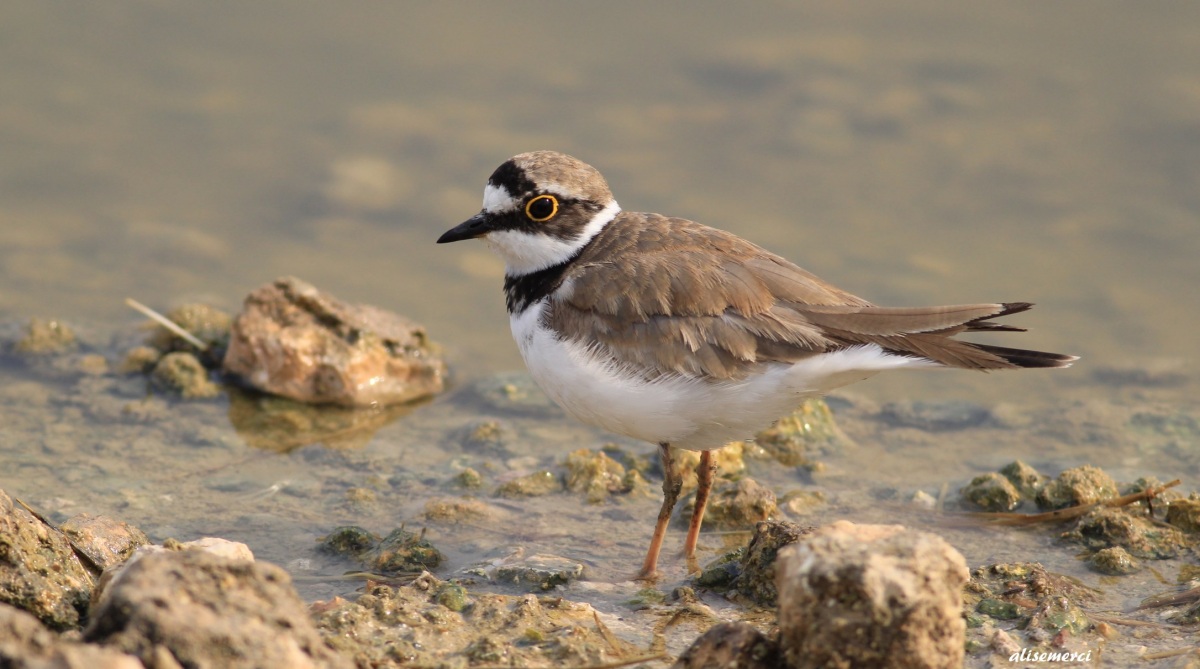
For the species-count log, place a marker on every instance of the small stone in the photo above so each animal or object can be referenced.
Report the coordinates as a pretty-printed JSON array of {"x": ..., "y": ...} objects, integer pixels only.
[
  {"x": 1024, "y": 478},
  {"x": 730, "y": 646},
  {"x": 208, "y": 324},
  {"x": 469, "y": 478},
  {"x": 1107, "y": 527},
  {"x": 46, "y": 337},
  {"x": 542, "y": 571},
  {"x": 594, "y": 474},
  {"x": 1115, "y": 561},
  {"x": 1185, "y": 514},
  {"x": 734, "y": 505},
  {"x": 349, "y": 540},
  {"x": 106, "y": 542},
  {"x": 798, "y": 438},
  {"x": 1081, "y": 485},
  {"x": 536, "y": 484},
  {"x": 452, "y": 596},
  {"x": 404, "y": 552},
  {"x": 992, "y": 492},
  {"x": 183, "y": 374},
  {"x": 455, "y": 509},
  {"x": 39, "y": 572},
  {"x": 871, "y": 595},
  {"x": 757, "y": 568}
]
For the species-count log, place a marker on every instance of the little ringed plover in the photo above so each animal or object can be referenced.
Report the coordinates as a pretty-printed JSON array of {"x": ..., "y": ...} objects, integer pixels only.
[{"x": 686, "y": 336}]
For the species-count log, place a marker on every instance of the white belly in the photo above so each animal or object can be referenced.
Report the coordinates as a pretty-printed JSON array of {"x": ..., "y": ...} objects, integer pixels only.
[{"x": 684, "y": 412}]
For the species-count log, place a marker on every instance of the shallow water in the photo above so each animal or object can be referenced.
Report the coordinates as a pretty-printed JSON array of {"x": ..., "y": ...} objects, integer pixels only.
[{"x": 933, "y": 153}]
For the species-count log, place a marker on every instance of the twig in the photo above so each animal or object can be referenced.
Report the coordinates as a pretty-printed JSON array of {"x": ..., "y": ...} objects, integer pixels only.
[
  {"x": 1169, "y": 653},
  {"x": 1072, "y": 512},
  {"x": 166, "y": 323}
]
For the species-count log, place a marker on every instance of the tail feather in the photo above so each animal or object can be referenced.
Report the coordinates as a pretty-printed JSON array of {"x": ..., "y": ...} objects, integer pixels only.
[{"x": 1024, "y": 358}]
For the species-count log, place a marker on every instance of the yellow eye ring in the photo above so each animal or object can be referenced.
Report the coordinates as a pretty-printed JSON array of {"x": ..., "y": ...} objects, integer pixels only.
[{"x": 541, "y": 208}]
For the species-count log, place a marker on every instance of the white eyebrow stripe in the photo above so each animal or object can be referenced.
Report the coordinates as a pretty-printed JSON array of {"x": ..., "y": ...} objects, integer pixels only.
[{"x": 497, "y": 199}]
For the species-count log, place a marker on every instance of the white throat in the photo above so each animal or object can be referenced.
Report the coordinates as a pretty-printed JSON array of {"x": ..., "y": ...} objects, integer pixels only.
[{"x": 525, "y": 253}]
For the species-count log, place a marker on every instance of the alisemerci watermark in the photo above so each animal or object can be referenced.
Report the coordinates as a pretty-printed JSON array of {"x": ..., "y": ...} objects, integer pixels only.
[{"x": 1026, "y": 655}]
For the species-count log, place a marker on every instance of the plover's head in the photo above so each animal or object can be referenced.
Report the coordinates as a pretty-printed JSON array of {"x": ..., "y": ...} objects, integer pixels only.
[{"x": 539, "y": 210}]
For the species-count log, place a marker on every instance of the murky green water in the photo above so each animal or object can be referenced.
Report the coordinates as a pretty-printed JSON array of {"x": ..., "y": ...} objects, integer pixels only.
[{"x": 930, "y": 153}]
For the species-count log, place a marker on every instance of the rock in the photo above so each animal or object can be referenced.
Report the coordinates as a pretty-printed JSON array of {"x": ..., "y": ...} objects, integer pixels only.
[
  {"x": 1081, "y": 485},
  {"x": 796, "y": 439},
  {"x": 992, "y": 492},
  {"x": 1042, "y": 604},
  {"x": 39, "y": 572},
  {"x": 404, "y": 552},
  {"x": 139, "y": 360},
  {"x": 1115, "y": 561},
  {"x": 107, "y": 542},
  {"x": 531, "y": 485},
  {"x": 734, "y": 505},
  {"x": 541, "y": 571},
  {"x": 935, "y": 416},
  {"x": 202, "y": 610},
  {"x": 594, "y": 474},
  {"x": 871, "y": 595},
  {"x": 729, "y": 460},
  {"x": 183, "y": 374},
  {"x": 456, "y": 509},
  {"x": 1024, "y": 478},
  {"x": 730, "y": 646},
  {"x": 757, "y": 578},
  {"x": 418, "y": 625},
  {"x": 296, "y": 341},
  {"x": 1107, "y": 527},
  {"x": 25, "y": 643},
  {"x": 46, "y": 337},
  {"x": 349, "y": 540},
  {"x": 208, "y": 324},
  {"x": 1185, "y": 514}
]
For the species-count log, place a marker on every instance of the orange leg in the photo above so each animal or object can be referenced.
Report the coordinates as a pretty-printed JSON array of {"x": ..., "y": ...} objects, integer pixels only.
[
  {"x": 672, "y": 484},
  {"x": 704, "y": 477}
]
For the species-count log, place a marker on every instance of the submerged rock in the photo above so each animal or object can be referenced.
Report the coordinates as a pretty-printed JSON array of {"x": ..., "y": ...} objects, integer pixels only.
[
  {"x": 1107, "y": 527},
  {"x": 39, "y": 571},
  {"x": 730, "y": 646},
  {"x": 46, "y": 337},
  {"x": 935, "y": 416},
  {"x": 296, "y": 341},
  {"x": 183, "y": 374},
  {"x": 532, "y": 485},
  {"x": 871, "y": 595},
  {"x": 541, "y": 571},
  {"x": 203, "y": 610}
]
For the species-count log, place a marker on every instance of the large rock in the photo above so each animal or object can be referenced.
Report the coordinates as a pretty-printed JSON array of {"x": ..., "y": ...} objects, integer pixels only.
[
  {"x": 871, "y": 596},
  {"x": 39, "y": 572},
  {"x": 205, "y": 610},
  {"x": 296, "y": 341},
  {"x": 25, "y": 643}
]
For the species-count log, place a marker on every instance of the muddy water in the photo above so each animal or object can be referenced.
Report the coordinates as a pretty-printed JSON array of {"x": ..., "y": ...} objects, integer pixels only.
[{"x": 934, "y": 153}]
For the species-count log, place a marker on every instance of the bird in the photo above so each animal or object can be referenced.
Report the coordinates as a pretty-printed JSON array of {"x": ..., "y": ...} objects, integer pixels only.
[{"x": 686, "y": 336}]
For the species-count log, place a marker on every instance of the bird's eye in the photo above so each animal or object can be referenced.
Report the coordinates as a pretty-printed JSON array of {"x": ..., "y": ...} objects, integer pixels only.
[{"x": 541, "y": 208}]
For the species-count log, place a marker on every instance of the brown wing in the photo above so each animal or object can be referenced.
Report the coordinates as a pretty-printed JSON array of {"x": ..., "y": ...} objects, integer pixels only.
[{"x": 710, "y": 302}]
